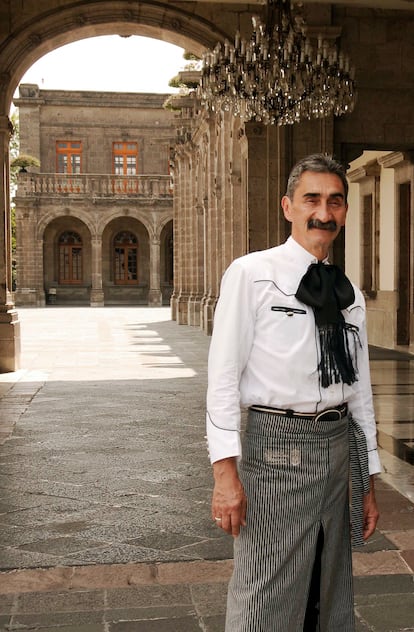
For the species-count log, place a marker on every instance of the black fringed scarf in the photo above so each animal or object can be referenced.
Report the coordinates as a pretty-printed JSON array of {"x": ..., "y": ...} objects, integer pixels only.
[{"x": 327, "y": 290}]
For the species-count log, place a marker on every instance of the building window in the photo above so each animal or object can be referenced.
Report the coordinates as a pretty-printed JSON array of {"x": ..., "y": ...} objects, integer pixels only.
[
  {"x": 368, "y": 177},
  {"x": 70, "y": 258},
  {"x": 370, "y": 239},
  {"x": 126, "y": 259},
  {"x": 125, "y": 159},
  {"x": 68, "y": 156},
  {"x": 368, "y": 244}
]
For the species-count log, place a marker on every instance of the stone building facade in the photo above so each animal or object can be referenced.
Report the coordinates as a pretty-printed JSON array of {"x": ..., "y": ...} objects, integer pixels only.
[
  {"x": 228, "y": 176},
  {"x": 94, "y": 223}
]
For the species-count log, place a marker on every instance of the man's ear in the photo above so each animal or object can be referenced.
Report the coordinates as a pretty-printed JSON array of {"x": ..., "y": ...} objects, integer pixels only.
[{"x": 286, "y": 204}]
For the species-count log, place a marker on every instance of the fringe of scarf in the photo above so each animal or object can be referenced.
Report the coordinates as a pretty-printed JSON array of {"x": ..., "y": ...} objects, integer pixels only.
[{"x": 338, "y": 361}]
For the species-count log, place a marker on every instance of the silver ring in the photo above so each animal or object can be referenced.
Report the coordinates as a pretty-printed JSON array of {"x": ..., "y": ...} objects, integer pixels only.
[{"x": 217, "y": 519}]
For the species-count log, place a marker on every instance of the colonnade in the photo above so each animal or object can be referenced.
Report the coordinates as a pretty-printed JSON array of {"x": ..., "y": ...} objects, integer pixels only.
[{"x": 229, "y": 178}]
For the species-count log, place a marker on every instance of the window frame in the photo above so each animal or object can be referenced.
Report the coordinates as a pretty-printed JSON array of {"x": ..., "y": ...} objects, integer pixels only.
[
  {"x": 67, "y": 249},
  {"x": 128, "y": 248},
  {"x": 70, "y": 151},
  {"x": 126, "y": 154}
]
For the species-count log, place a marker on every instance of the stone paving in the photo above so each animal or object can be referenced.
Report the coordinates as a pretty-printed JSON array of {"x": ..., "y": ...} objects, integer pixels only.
[{"x": 105, "y": 485}]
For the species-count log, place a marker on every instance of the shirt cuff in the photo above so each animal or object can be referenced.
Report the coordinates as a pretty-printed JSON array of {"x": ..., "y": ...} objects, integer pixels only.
[
  {"x": 374, "y": 464},
  {"x": 222, "y": 443}
]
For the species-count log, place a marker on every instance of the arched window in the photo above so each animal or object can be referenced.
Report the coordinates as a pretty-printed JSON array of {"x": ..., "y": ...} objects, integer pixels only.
[
  {"x": 70, "y": 258},
  {"x": 125, "y": 259}
]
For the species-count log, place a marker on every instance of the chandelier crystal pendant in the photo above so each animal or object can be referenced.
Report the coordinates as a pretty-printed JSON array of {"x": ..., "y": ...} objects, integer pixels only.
[{"x": 277, "y": 76}]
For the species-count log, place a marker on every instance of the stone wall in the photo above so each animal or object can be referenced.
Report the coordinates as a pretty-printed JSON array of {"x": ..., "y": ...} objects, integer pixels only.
[
  {"x": 94, "y": 204},
  {"x": 234, "y": 205}
]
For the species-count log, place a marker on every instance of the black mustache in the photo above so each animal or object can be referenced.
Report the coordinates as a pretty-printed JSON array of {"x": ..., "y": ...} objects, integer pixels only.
[{"x": 316, "y": 223}]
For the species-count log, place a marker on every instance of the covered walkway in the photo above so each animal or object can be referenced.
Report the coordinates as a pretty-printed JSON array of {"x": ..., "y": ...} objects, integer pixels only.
[{"x": 105, "y": 483}]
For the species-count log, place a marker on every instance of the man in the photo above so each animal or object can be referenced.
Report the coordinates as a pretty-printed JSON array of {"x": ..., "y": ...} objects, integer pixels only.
[{"x": 290, "y": 344}]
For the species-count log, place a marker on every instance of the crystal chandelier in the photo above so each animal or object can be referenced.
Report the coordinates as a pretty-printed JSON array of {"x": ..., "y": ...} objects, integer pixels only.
[{"x": 277, "y": 77}]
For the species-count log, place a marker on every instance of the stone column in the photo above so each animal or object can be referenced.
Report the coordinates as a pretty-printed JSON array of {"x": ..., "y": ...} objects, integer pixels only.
[
  {"x": 226, "y": 214},
  {"x": 196, "y": 296},
  {"x": 213, "y": 246},
  {"x": 9, "y": 322},
  {"x": 182, "y": 299},
  {"x": 38, "y": 266},
  {"x": 97, "y": 294},
  {"x": 195, "y": 230},
  {"x": 27, "y": 252},
  {"x": 176, "y": 237},
  {"x": 204, "y": 221},
  {"x": 238, "y": 189},
  {"x": 268, "y": 158},
  {"x": 155, "y": 294}
]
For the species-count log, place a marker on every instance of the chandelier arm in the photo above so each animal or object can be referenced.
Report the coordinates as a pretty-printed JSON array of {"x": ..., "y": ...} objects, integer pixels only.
[{"x": 277, "y": 76}]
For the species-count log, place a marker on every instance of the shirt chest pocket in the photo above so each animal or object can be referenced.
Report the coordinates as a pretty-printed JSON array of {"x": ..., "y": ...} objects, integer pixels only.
[
  {"x": 284, "y": 326},
  {"x": 288, "y": 311}
]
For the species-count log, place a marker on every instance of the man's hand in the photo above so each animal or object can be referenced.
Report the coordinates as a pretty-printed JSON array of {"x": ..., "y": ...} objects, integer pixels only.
[
  {"x": 228, "y": 507},
  {"x": 371, "y": 513}
]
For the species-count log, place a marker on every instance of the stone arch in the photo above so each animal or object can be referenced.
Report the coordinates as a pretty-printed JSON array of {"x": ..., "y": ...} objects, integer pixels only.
[
  {"x": 66, "y": 292},
  {"x": 166, "y": 261},
  {"x": 162, "y": 223},
  {"x": 135, "y": 293},
  {"x": 49, "y": 217},
  {"x": 137, "y": 215},
  {"x": 64, "y": 25}
]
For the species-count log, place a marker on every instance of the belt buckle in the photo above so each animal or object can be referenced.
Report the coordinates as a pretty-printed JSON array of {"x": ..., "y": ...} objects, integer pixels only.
[{"x": 329, "y": 411}]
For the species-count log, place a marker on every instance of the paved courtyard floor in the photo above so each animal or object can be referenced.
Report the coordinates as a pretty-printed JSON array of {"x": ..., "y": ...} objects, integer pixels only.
[{"x": 105, "y": 483}]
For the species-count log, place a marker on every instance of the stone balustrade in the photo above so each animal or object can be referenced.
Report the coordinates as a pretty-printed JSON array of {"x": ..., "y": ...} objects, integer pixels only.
[{"x": 94, "y": 185}]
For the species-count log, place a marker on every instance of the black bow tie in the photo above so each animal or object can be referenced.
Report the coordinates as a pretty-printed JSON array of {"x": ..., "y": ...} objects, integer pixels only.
[{"x": 327, "y": 290}]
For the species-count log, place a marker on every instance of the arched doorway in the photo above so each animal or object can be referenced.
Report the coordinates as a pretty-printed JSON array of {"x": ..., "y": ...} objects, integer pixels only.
[
  {"x": 67, "y": 262},
  {"x": 41, "y": 30},
  {"x": 125, "y": 262},
  {"x": 167, "y": 262}
]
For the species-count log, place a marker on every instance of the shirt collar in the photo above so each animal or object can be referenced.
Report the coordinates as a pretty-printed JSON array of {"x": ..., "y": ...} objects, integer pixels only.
[
  {"x": 302, "y": 256},
  {"x": 298, "y": 260}
]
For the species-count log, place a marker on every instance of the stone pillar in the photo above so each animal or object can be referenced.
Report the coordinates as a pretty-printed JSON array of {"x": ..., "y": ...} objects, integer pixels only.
[
  {"x": 204, "y": 222},
  {"x": 176, "y": 237},
  {"x": 195, "y": 230},
  {"x": 155, "y": 294},
  {"x": 38, "y": 266},
  {"x": 9, "y": 322},
  {"x": 226, "y": 211},
  {"x": 97, "y": 294},
  {"x": 194, "y": 304},
  {"x": 238, "y": 179},
  {"x": 30, "y": 278},
  {"x": 268, "y": 166},
  {"x": 190, "y": 231},
  {"x": 185, "y": 241},
  {"x": 213, "y": 246}
]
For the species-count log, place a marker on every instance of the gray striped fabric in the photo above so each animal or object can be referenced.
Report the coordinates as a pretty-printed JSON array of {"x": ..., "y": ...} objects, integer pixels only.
[
  {"x": 360, "y": 483},
  {"x": 295, "y": 472}
]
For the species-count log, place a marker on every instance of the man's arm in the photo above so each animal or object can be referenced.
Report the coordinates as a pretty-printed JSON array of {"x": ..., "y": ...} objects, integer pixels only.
[
  {"x": 230, "y": 347},
  {"x": 229, "y": 500},
  {"x": 371, "y": 513}
]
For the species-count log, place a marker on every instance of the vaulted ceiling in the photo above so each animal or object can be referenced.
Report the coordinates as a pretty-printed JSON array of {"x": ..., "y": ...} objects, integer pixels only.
[{"x": 407, "y": 5}]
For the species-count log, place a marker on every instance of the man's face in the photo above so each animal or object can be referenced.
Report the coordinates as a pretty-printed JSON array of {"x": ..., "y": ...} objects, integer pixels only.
[{"x": 317, "y": 211}]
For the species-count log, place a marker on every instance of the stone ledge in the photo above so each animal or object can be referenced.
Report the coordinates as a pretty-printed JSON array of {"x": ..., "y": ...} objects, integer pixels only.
[{"x": 114, "y": 576}]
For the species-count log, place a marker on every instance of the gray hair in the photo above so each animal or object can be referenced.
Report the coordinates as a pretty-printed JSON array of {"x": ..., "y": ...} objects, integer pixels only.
[{"x": 318, "y": 163}]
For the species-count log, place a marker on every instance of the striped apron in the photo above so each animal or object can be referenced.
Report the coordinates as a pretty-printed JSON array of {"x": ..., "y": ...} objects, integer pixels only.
[{"x": 295, "y": 472}]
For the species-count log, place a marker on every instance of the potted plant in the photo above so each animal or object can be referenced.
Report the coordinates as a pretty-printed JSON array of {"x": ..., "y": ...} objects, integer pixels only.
[{"x": 23, "y": 161}]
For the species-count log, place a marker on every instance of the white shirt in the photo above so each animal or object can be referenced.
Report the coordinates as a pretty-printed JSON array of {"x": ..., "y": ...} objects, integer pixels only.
[{"x": 265, "y": 350}]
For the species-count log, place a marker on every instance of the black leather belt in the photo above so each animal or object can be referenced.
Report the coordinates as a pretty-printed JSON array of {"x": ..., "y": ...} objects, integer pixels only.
[{"x": 329, "y": 414}]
